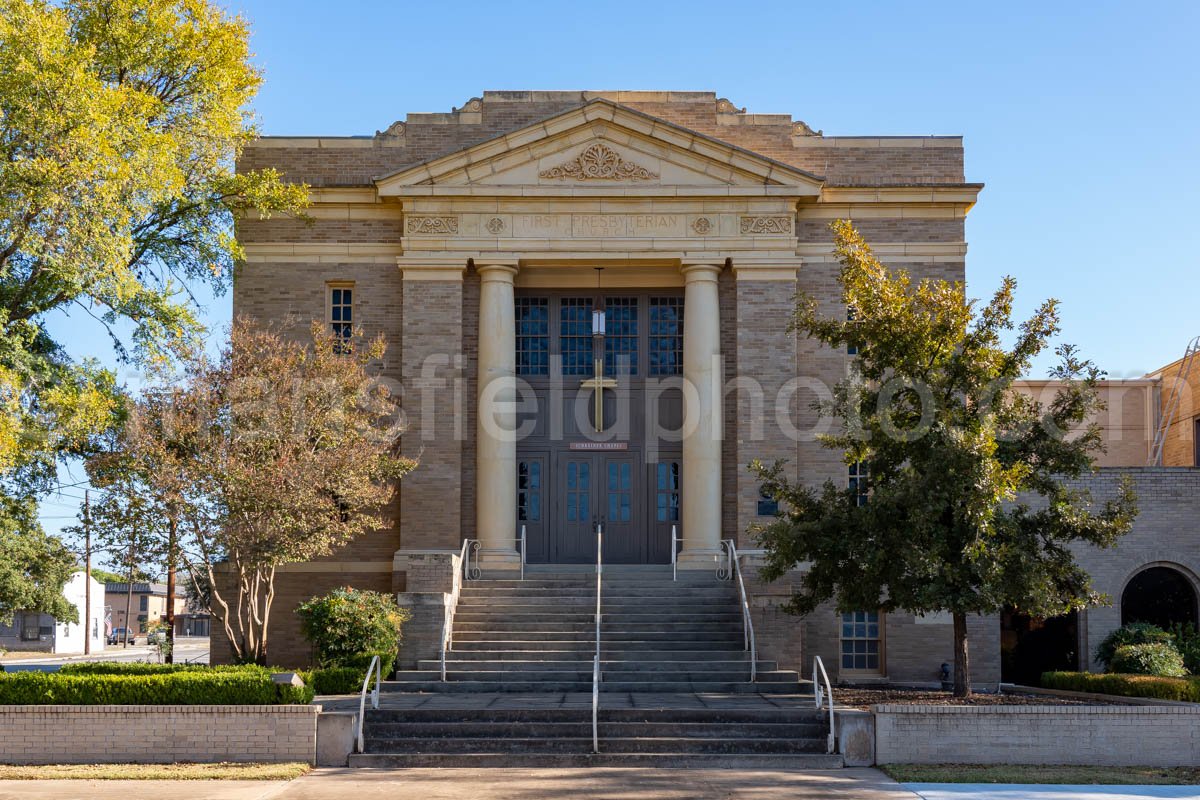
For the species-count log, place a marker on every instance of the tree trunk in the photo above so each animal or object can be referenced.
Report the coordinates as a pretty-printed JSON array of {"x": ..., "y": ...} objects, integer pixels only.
[
  {"x": 172, "y": 538},
  {"x": 962, "y": 663}
]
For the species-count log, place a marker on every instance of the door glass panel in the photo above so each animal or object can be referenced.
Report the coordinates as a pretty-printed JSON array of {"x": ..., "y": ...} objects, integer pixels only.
[
  {"x": 620, "y": 507},
  {"x": 666, "y": 503},
  {"x": 529, "y": 495}
]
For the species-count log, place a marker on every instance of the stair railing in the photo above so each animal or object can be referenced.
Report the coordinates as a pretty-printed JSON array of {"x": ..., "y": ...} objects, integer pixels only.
[
  {"x": 823, "y": 693},
  {"x": 376, "y": 668},
  {"x": 674, "y": 554},
  {"x": 469, "y": 546},
  {"x": 522, "y": 543},
  {"x": 732, "y": 569},
  {"x": 596, "y": 657}
]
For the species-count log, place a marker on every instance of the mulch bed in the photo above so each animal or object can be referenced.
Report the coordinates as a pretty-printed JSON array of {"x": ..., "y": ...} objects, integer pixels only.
[{"x": 854, "y": 697}]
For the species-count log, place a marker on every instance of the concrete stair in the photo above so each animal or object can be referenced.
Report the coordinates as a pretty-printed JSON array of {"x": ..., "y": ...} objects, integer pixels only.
[
  {"x": 774, "y": 739},
  {"x": 657, "y": 635}
]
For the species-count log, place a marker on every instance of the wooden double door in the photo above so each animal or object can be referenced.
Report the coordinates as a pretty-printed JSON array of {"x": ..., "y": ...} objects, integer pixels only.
[{"x": 563, "y": 495}]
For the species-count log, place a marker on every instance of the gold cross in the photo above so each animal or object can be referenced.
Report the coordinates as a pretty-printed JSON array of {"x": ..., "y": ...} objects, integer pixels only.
[{"x": 598, "y": 384}]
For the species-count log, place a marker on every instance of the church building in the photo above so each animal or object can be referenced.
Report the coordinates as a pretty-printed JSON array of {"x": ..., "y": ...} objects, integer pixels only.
[{"x": 585, "y": 297}]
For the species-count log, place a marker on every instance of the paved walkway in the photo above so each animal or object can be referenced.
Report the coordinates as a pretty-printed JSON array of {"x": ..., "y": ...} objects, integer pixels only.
[
  {"x": 405, "y": 701},
  {"x": 996, "y": 791}
]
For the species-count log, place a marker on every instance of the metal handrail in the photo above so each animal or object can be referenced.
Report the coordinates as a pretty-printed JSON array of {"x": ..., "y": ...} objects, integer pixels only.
[
  {"x": 674, "y": 554},
  {"x": 596, "y": 657},
  {"x": 460, "y": 575},
  {"x": 522, "y": 543},
  {"x": 820, "y": 694},
  {"x": 734, "y": 569},
  {"x": 377, "y": 668}
]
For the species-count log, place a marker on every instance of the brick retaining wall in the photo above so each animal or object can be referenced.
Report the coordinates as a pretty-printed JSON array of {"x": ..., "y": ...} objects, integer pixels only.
[
  {"x": 1100, "y": 735},
  {"x": 157, "y": 734}
]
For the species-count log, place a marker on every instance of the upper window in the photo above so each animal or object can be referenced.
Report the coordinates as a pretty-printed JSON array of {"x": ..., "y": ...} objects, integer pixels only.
[
  {"x": 621, "y": 336},
  {"x": 851, "y": 350},
  {"x": 575, "y": 335},
  {"x": 533, "y": 335},
  {"x": 666, "y": 335},
  {"x": 341, "y": 315},
  {"x": 861, "y": 642}
]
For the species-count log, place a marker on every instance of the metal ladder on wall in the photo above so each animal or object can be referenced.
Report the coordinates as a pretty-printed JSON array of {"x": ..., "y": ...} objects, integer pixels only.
[{"x": 1172, "y": 407}]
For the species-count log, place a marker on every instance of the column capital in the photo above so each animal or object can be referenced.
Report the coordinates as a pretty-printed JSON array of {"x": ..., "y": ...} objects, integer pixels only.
[
  {"x": 497, "y": 271},
  {"x": 700, "y": 271}
]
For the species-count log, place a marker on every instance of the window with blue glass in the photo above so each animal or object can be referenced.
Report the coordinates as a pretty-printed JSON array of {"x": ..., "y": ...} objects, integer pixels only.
[
  {"x": 768, "y": 506},
  {"x": 529, "y": 491},
  {"x": 575, "y": 335},
  {"x": 621, "y": 336},
  {"x": 533, "y": 335},
  {"x": 620, "y": 491},
  {"x": 579, "y": 490},
  {"x": 341, "y": 316},
  {"x": 666, "y": 484},
  {"x": 861, "y": 641},
  {"x": 666, "y": 336},
  {"x": 851, "y": 350},
  {"x": 858, "y": 482}
]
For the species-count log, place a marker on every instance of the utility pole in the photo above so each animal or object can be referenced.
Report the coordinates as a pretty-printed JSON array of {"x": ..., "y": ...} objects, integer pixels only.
[
  {"x": 87, "y": 574},
  {"x": 129, "y": 586},
  {"x": 171, "y": 546}
]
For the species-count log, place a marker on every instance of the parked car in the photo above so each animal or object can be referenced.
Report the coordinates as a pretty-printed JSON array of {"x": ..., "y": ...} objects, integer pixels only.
[
  {"x": 156, "y": 637},
  {"x": 118, "y": 636}
]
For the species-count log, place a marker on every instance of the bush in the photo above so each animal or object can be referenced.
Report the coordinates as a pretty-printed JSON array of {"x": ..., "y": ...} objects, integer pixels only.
[
  {"x": 1158, "y": 659},
  {"x": 141, "y": 668},
  {"x": 1185, "y": 689},
  {"x": 1187, "y": 642},
  {"x": 348, "y": 626},
  {"x": 1134, "y": 633},
  {"x": 184, "y": 687},
  {"x": 336, "y": 680}
]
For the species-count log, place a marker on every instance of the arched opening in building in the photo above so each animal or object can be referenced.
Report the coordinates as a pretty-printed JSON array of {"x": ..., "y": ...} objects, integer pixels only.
[
  {"x": 1161, "y": 596},
  {"x": 1030, "y": 646}
]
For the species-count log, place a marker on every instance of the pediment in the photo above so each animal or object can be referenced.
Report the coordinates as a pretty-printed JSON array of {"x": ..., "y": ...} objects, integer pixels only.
[{"x": 601, "y": 148}]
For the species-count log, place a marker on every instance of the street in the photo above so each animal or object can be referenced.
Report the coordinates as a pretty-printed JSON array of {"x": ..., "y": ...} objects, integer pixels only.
[{"x": 190, "y": 649}]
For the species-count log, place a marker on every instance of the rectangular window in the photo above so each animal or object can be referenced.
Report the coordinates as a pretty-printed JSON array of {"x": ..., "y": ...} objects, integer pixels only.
[
  {"x": 858, "y": 482},
  {"x": 621, "y": 336},
  {"x": 666, "y": 335},
  {"x": 667, "y": 491},
  {"x": 862, "y": 643},
  {"x": 533, "y": 335},
  {"x": 575, "y": 335},
  {"x": 620, "y": 491},
  {"x": 143, "y": 603},
  {"x": 529, "y": 491},
  {"x": 851, "y": 350},
  {"x": 341, "y": 315}
]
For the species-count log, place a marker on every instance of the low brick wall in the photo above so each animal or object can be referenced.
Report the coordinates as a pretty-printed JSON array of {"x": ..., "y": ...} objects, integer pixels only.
[
  {"x": 156, "y": 734},
  {"x": 1101, "y": 735}
]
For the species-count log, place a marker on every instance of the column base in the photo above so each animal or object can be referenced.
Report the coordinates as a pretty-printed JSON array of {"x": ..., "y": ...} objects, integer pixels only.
[
  {"x": 500, "y": 560},
  {"x": 700, "y": 558}
]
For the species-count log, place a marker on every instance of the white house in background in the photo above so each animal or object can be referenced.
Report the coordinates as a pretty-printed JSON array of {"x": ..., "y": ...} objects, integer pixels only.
[{"x": 38, "y": 632}]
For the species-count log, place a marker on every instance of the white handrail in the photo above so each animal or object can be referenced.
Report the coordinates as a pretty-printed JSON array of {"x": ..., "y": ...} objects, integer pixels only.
[
  {"x": 735, "y": 570},
  {"x": 452, "y": 603},
  {"x": 820, "y": 693},
  {"x": 596, "y": 657},
  {"x": 674, "y": 559},
  {"x": 375, "y": 667},
  {"x": 522, "y": 552}
]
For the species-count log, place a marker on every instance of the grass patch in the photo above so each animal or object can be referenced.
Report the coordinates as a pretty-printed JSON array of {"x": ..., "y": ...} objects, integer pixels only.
[
  {"x": 156, "y": 772},
  {"x": 1006, "y": 773}
]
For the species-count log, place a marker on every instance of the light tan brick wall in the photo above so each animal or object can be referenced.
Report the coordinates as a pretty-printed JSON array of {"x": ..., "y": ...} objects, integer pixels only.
[
  {"x": 157, "y": 734},
  {"x": 1127, "y": 422},
  {"x": 1180, "y": 446},
  {"x": 1076, "y": 735}
]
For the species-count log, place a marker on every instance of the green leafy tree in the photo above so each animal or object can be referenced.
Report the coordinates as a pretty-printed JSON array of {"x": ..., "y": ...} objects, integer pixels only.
[
  {"x": 34, "y": 567},
  {"x": 970, "y": 506},
  {"x": 120, "y": 123}
]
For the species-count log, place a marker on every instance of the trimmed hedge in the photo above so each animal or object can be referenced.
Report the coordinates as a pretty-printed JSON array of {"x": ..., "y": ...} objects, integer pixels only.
[
  {"x": 1161, "y": 660},
  {"x": 336, "y": 680},
  {"x": 183, "y": 687},
  {"x": 1186, "y": 689},
  {"x": 142, "y": 668}
]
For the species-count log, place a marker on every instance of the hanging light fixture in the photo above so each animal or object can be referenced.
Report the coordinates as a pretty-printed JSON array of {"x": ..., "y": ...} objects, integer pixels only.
[{"x": 598, "y": 309}]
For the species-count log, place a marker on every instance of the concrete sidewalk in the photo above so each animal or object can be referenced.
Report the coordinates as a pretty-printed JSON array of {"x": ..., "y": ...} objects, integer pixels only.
[
  {"x": 491, "y": 784},
  {"x": 997, "y": 791}
]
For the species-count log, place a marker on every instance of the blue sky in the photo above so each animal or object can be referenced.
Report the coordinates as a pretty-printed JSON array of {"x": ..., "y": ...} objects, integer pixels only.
[{"x": 1082, "y": 119}]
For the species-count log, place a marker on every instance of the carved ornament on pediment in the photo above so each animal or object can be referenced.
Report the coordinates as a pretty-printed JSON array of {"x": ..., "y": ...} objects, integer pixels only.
[
  {"x": 433, "y": 225},
  {"x": 599, "y": 162}
]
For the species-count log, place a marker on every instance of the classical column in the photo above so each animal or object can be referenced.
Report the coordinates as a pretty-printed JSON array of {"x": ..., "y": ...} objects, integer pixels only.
[
  {"x": 495, "y": 441},
  {"x": 701, "y": 490}
]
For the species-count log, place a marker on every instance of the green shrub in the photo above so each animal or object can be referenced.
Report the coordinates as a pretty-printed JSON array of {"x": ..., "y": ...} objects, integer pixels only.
[
  {"x": 1134, "y": 633},
  {"x": 1185, "y": 689},
  {"x": 348, "y": 626},
  {"x": 141, "y": 668},
  {"x": 1158, "y": 659},
  {"x": 336, "y": 680},
  {"x": 184, "y": 687},
  {"x": 1187, "y": 642}
]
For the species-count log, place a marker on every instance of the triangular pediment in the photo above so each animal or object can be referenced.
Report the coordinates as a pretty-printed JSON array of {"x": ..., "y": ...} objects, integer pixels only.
[{"x": 602, "y": 146}]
